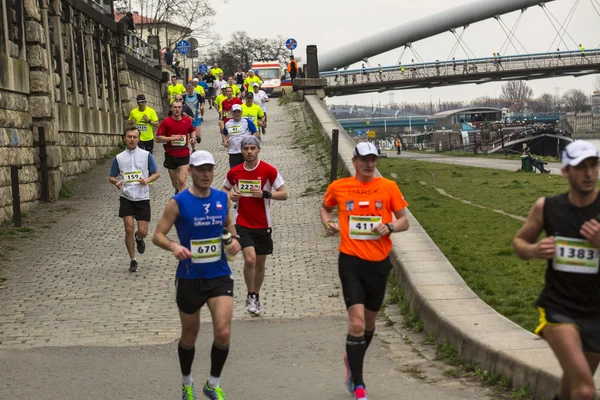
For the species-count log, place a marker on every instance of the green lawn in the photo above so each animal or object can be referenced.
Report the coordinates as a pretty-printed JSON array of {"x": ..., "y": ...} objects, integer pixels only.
[{"x": 478, "y": 241}]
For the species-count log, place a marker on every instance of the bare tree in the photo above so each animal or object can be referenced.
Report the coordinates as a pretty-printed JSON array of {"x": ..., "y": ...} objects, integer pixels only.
[
  {"x": 545, "y": 103},
  {"x": 576, "y": 100},
  {"x": 516, "y": 92}
]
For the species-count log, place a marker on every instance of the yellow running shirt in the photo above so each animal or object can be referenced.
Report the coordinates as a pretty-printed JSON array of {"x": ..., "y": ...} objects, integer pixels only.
[
  {"x": 200, "y": 90},
  {"x": 249, "y": 81},
  {"x": 218, "y": 100},
  {"x": 146, "y": 129},
  {"x": 253, "y": 113},
  {"x": 236, "y": 90},
  {"x": 215, "y": 72},
  {"x": 175, "y": 90}
]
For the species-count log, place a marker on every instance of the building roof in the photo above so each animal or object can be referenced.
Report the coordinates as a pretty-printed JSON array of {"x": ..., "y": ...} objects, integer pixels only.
[
  {"x": 139, "y": 19},
  {"x": 468, "y": 110}
]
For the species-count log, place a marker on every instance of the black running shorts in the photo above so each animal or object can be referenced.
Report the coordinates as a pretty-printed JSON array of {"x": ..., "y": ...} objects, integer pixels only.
[
  {"x": 588, "y": 327},
  {"x": 235, "y": 159},
  {"x": 192, "y": 294},
  {"x": 147, "y": 145},
  {"x": 138, "y": 209},
  {"x": 260, "y": 239},
  {"x": 363, "y": 282},
  {"x": 172, "y": 162}
]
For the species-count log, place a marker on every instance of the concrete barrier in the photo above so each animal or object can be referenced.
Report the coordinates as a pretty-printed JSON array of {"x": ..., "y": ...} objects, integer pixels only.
[{"x": 448, "y": 308}]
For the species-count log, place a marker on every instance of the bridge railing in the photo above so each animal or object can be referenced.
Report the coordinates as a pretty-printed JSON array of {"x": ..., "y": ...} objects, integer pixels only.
[
  {"x": 140, "y": 49},
  {"x": 461, "y": 67}
]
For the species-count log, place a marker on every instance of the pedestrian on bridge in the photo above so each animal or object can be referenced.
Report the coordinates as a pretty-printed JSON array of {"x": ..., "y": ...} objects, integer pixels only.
[
  {"x": 569, "y": 305},
  {"x": 366, "y": 206},
  {"x": 582, "y": 49}
]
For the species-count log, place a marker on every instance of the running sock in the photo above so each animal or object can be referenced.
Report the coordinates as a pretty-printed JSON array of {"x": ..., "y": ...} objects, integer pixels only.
[
  {"x": 133, "y": 259},
  {"x": 213, "y": 382},
  {"x": 187, "y": 380},
  {"x": 356, "y": 347},
  {"x": 186, "y": 358},
  {"x": 256, "y": 295},
  {"x": 218, "y": 356},
  {"x": 251, "y": 294},
  {"x": 369, "y": 336}
]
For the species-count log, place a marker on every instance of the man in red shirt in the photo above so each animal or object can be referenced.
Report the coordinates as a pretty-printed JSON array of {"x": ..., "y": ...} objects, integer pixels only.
[
  {"x": 226, "y": 106},
  {"x": 250, "y": 184},
  {"x": 175, "y": 131}
]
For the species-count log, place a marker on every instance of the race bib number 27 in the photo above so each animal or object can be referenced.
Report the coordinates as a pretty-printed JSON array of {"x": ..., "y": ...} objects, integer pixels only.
[{"x": 576, "y": 256}]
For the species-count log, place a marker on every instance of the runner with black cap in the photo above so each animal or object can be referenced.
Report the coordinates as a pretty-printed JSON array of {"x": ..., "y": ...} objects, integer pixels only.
[
  {"x": 145, "y": 119},
  {"x": 252, "y": 185},
  {"x": 200, "y": 214},
  {"x": 367, "y": 205},
  {"x": 569, "y": 305}
]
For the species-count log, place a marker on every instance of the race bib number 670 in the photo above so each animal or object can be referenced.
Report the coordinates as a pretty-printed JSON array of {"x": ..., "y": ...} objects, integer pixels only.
[
  {"x": 205, "y": 250},
  {"x": 576, "y": 256}
]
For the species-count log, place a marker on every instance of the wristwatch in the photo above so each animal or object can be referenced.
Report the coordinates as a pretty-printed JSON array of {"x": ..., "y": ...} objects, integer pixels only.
[{"x": 390, "y": 226}]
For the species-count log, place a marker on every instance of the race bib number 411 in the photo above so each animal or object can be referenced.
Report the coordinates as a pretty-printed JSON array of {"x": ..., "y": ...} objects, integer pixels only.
[
  {"x": 205, "y": 250},
  {"x": 575, "y": 255},
  {"x": 361, "y": 227}
]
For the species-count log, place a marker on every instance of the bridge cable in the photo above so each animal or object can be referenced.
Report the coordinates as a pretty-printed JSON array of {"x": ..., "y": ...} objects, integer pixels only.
[
  {"x": 562, "y": 25},
  {"x": 512, "y": 32},
  {"x": 566, "y": 23},
  {"x": 401, "y": 55},
  {"x": 458, "y": 39},
  {"x": 595, "y": 9},
  {"x": 419, "y": 59},
  {"x": 510, "y": 35},
  {"x": 461, "y": 42}
]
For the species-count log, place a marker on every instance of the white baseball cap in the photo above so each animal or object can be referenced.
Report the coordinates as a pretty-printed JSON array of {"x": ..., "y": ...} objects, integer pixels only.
[
  {"x": 201, "y": 157},
  {"x": 577, "y": 151},
  {"x": 236, "y": 107},
  {"x": 195, "y": 80},
  {"x": 364, "y": 149},
  {"x": 255, "y": 84}
]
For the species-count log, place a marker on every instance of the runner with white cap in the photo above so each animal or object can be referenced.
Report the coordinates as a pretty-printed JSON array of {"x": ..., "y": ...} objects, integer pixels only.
[
  {"x": 203, "y": 275},
  {"x": 233, "y": 132},
  {"x": 569, "y": 305},
  {"x": 367, "y": 205}
]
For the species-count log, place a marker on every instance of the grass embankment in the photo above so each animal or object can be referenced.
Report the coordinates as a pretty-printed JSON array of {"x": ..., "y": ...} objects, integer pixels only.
[{"x": 477, "y": 241}]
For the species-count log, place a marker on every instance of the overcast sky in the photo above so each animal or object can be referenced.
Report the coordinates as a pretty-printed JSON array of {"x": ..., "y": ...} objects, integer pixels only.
[{"x": 330, "y": 24}]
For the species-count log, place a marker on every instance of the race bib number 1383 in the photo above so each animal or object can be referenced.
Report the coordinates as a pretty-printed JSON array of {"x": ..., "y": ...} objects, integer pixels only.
[{"x": 576, "y": 256}]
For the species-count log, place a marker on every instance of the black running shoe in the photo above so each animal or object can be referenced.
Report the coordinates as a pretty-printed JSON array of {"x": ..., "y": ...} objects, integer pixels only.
[
  {"x": 133, "y": 266},
  {"x": 141, "y": 245}
]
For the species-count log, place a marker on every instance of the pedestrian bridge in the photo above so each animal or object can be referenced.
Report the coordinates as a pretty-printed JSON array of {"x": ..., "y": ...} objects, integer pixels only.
[{"x": 464, "y": 71}]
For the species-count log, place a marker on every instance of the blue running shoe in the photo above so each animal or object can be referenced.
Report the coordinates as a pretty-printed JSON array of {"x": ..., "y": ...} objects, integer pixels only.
[
  {"x": 348, "y": 381},
  {"x": 213, "y": 393}
]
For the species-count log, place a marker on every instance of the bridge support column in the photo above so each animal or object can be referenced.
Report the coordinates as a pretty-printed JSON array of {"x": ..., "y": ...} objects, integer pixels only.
[{"x": 312, "y": 83}]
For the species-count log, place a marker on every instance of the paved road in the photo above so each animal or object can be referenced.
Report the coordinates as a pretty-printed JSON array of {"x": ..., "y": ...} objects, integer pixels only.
[
  {"x": 481, "y": 162},
  {"x": 75, "y": 323}
]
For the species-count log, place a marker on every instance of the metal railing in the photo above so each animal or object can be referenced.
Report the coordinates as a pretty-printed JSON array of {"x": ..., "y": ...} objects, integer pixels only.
[{"x": 527, "y": 62}]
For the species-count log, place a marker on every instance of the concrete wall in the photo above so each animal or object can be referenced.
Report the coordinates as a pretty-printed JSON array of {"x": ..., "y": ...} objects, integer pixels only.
[
  {"x": 65, "y": 72},
  {"x": 583, "y": 123}
]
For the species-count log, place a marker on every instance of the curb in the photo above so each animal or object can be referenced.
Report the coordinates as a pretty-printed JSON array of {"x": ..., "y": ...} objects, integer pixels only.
[{"x": 448, "y": 308}]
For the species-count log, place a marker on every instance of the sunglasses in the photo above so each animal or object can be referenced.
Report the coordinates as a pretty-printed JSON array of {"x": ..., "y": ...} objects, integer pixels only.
[
  {"x": 141, "y": 102},
  {"x": 178, "y": 98}
]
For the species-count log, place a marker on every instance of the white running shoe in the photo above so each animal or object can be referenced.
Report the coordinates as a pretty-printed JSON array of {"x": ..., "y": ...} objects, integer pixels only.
[
  {"x": 251, "y": 305},
  {"x": 258, "y": 311}
]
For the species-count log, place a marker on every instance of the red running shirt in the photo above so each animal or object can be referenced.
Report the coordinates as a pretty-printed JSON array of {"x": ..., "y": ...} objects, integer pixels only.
[
  {"x": 170, "y": 127},
  {"x": 226, "y": 107},
  {"x": 253, "y": 213}
]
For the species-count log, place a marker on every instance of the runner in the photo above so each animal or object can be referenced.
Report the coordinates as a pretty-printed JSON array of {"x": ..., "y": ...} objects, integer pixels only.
[
  {"x": 569, "y": 304},
  {"x": 209, "y": 80},
  {"x": 236, "y": 89},
  {"x": 235, "y": 129},
  {"x": 192, "y": 100},
  {"x": 366, "y": 206},
  {"x": 250, "y": 185},
  {"x": 174, "y": 131},
  {"x": 219, "y": 85},
  {"x": 261, "y": 99},
  {"x": 239, "y": 77},
  {"x": 145, "y": 119},
  {"x": 198, "y": 88},
  {"x": 174, "y": 89},
  {"x": 131, "y": 172},
  {"x": 228, "y": 103},
  {"x": 203, "y": 275},
  {"x": 253, "y": 112},
  {"x": 216, "y": 71},
  {"x": 250, "y": 79}
]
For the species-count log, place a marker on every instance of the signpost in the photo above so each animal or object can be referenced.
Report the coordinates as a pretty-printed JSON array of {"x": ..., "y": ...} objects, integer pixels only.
[
  {"x": 183, "y": 47},
  {"x": 291, "y": 44},
  {"x": 203, "y": 69}
]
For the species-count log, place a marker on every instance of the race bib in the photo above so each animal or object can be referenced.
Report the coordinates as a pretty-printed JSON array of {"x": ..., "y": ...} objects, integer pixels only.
[
  {"x": 228, "y": 114},
  {"x": 142, "y": 127},
  {"x": 180, "y": 142},
  {"x": 361, "y": 226},
  {"x": 132, "y": 177},
  {"x": 575, "y": 255},
  {"x": 235, "y": 130},
  {"x": 205, "y": 250},
  {"x": 246, "y": 186}
]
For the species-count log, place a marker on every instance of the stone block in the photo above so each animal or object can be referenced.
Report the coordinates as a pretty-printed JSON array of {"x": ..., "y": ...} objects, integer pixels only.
[
  {"x": 124, "y": 79},
  {"x": 14, "y": 49},
  {"x": 41, "y": 106},
  {"x": 37, "y": 57},
  {"x": 55, "y": 181},
  {"x": 13, "y": 101},
  {"x": 32, "y": 10},
  {"x": 50, "y": 131},
  {"x": 15, "y": 119},
  {"x": 34, "y": 33},
  {"x": 54, "y": 156},
  {"x": 39, "y": 82}
]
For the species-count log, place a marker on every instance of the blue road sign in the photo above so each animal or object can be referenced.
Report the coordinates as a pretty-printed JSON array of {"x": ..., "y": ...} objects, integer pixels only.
[
  {"x": 183, "y": 47},
  {"x": 291, "y": 44},
  {"x": 203, "y": 68},
  {"x": 358, "y": 132}
]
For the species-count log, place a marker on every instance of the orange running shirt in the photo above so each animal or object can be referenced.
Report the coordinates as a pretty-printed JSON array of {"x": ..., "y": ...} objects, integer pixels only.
[{"x": 360, "y": 207}]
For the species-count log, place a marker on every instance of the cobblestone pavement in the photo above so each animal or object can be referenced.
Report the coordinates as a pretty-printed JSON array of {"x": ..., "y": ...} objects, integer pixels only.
[{"x": 68, "y": 283}]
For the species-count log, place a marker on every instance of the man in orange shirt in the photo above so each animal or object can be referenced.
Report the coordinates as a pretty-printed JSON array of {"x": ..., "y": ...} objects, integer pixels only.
[{"x": 366, "y": 207}]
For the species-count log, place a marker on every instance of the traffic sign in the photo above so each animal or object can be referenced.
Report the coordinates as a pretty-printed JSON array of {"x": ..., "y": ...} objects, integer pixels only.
[
  {"x": 193, "y": 43},
  {"x": 371, "y": 133},
  {"x": 183, "y": 46},
  {"x": 359, "y": 132},
  {"x": 291, "y": 44},
  {"x": 203, "y": 68}
]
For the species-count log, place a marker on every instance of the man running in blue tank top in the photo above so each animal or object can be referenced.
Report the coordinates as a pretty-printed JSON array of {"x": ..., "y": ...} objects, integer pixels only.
[{"x": 203, "y": 276}]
